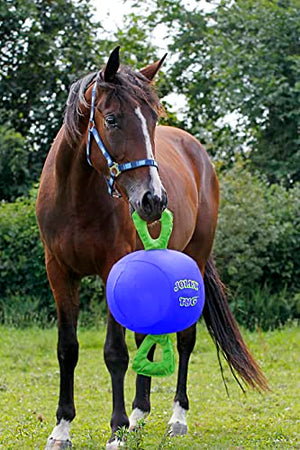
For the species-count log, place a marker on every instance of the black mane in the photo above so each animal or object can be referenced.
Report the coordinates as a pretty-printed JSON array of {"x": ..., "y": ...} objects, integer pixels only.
[{"x": 126, "y": 86}]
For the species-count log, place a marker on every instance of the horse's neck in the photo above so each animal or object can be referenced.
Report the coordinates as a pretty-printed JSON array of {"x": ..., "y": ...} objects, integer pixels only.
[{"x": 75, "y": 179}]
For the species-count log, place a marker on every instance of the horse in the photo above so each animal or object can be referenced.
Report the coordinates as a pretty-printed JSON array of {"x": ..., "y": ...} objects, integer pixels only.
[{"x": 110, "y": 158}]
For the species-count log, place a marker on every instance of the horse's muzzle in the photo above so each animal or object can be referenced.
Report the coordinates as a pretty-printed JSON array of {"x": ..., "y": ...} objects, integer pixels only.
[{"x": 151, "y": 206}]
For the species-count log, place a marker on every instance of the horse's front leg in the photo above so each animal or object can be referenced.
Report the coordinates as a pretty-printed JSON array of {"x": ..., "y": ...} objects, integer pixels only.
[
  {"x": 65, "y": 290},
  {"x": 116, "y": 359},
  {"x": 141, "y": 402},
  {"x": 185, "y": 343}
]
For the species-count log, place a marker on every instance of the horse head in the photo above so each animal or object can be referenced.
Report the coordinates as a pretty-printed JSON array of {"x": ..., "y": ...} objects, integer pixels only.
[{"x": 124, "y": 113}]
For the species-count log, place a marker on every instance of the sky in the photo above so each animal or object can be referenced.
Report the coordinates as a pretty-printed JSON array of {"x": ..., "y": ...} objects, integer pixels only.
[{"x": 111, "y": 13}]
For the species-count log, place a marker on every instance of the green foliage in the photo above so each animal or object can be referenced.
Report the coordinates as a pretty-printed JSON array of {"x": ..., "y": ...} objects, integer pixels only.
[
  {"x": 137, "y": 50},
  {"x": 132, "y": 441},
  {"x": 93, "y": 308},
  {"x": 24, "y": 311},
  {"x": 258, "y": 232},
  {"x": 46, "y": 46},
  {"x": 262, "y": 308},
  {"x": 240, "y": 60},
  {"x": 256, "y": 246},
  {"x": 21, "y": 253},
  {"x": 14, "y": 171}
]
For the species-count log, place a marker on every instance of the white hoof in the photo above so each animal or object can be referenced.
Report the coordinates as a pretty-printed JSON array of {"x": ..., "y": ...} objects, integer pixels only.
[
  {"x": 60, "y": 436},
  {"x": 177, "y": 429},
  {"x": 114, "y": 445},
  {"x": 177, "y": 424},
  {"x": 55, "y": 444},
  {"x": 136, "y": 415}
]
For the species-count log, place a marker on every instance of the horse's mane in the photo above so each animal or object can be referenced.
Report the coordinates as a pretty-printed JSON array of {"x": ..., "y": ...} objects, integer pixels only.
[{"x": 126, "y": 86}]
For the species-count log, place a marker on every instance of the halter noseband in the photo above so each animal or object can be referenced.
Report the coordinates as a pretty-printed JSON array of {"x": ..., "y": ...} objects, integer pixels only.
[{"x": 115, "y": 169}]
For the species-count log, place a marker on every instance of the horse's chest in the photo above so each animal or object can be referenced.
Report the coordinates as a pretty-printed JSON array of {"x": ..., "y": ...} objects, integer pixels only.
[{"x": 91, "y": 249}]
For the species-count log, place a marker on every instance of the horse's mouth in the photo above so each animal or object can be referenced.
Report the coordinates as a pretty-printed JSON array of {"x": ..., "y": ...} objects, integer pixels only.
[{"x": 150, "y": 223}]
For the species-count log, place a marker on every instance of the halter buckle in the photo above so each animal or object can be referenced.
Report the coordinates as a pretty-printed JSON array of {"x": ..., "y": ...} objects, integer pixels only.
[{"x": 114, "y": 170}]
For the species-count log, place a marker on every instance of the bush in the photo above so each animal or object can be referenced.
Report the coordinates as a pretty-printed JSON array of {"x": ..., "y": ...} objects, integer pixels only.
[
  {"x": 264, "y": 309},
  {"x": 14, "y": 175},
  {"x": 257, "y": 247},
  {"x": 22, "y": 256},
  {"x": 258, "y": 232}
]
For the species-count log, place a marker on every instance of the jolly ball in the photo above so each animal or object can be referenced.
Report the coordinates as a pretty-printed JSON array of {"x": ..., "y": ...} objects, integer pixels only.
[{"x": 155, "y": 291}]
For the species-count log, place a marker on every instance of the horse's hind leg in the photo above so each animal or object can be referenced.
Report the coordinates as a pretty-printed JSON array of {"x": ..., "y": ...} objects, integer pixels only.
[
  {"x": 185, "y": 343},
  {"x": 141, "y": 402},
  {"x": 116, "y": 359},
  {"x": 65, "y": 290}
]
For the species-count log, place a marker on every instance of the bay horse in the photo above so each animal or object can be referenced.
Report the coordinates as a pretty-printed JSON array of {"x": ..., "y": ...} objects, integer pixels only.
[{"x": 99, "y": 169}]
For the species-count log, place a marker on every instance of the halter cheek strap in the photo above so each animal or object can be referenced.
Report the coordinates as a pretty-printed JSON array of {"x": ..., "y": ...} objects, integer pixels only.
[{"x": 115, "y": 169}]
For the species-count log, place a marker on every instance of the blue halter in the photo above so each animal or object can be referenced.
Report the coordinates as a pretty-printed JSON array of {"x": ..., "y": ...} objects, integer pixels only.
[{"x": 114, "y": 168}]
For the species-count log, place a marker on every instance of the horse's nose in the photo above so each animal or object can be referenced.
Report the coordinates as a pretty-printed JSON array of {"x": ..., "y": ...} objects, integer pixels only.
[{"x": 153, "y": 205}]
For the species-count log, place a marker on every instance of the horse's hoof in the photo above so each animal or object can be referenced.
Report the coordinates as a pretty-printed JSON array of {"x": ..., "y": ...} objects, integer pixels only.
[
  {"x": 55, "y": 444},
  {"x": 177, "y": 429},
  {"x": 116, "y": 444}
]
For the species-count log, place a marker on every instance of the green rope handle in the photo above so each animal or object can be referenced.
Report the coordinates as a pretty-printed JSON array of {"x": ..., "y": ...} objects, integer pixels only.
[
  {"x": 163, "y": 368},
  {"x": 141, "y": 364},
  {"x": 165, "y": 232}
]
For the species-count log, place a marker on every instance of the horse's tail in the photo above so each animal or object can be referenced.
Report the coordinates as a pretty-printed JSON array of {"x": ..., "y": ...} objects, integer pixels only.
[{"x": 225, "y": 333}]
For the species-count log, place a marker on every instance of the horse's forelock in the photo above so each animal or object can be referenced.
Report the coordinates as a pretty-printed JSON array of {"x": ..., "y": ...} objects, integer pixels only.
[
  {"x": 130, "y": 87},
  {"x": 127, "y": 86}
]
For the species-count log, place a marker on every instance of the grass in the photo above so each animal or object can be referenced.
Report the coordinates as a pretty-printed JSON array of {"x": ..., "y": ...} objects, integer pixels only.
[{"x": 29, "y": 391}]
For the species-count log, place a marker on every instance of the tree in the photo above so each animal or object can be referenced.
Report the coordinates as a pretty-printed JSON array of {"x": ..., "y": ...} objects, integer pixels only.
[
  {"x": 14, "y": 179},
  {"x": 45, "y": 45},
  {"x": 241, "y": 61}
]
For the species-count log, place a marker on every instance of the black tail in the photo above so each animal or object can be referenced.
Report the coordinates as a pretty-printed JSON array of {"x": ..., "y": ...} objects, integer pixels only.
[{"x": 225, "y": 333}]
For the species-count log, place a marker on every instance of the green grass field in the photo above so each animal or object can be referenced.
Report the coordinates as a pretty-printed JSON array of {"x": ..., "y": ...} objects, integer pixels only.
[{"x": 29, "y": 392}]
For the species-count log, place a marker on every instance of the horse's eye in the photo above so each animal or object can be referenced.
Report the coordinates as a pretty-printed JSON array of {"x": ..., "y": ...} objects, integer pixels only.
[{"x": 111, "y": 120}]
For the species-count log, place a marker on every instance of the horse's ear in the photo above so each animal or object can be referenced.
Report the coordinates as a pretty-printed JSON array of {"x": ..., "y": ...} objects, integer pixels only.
[
  {"x": 151, "y": 70},
  {"x": 112, "y": 65}
]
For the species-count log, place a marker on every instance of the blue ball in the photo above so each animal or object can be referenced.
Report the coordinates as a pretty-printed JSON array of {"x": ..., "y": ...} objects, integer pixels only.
[{"x": 155, "y": 291}]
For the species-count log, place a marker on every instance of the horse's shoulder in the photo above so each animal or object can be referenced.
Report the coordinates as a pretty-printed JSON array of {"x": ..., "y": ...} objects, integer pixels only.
[
  {"x": 180, "y": 141},
  {"x": 178, "y": 136}
]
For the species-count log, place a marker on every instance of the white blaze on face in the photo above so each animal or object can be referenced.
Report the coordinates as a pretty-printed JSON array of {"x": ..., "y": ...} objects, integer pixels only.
[{"x": 156, "y": 183}]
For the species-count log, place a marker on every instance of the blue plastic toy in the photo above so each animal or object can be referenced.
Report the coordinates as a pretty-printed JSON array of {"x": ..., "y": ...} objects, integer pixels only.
[{"x": 155, "y": 291}]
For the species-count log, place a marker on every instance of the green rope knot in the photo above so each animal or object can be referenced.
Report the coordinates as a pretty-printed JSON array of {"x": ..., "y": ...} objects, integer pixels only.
[{"x": 141, "y": 364}]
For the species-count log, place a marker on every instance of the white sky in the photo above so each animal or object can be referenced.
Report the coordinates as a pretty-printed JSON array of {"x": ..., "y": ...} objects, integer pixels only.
[{"x": 111, "y": 13}]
